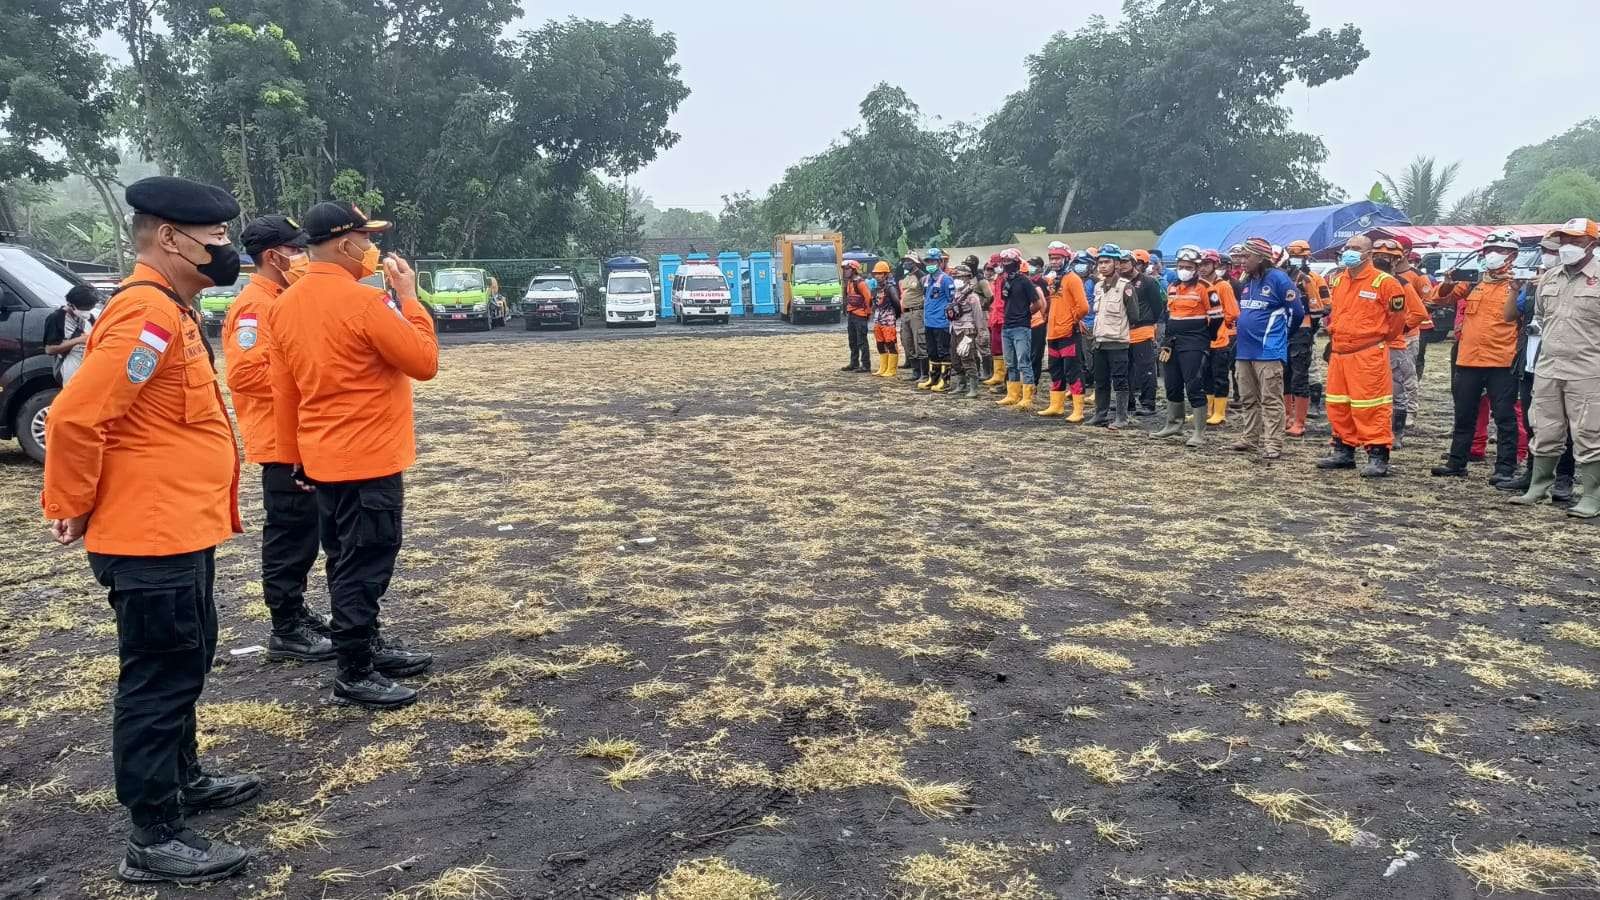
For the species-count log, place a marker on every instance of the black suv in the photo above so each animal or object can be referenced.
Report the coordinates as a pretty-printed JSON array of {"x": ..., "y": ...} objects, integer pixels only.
[{"x": 31, "y": 286}]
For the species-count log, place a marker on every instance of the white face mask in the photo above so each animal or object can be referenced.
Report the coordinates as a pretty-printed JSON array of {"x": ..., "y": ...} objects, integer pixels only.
[
  {"x": 1185, "y": 275},
  {"x": 1570, "y": 254},
  {"x": 1548, "y": 258},
  {"x": 1492, "y": 262}
]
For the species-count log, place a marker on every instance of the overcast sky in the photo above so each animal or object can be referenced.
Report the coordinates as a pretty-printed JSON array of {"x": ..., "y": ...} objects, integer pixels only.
[{"x": 771, "y": 83}]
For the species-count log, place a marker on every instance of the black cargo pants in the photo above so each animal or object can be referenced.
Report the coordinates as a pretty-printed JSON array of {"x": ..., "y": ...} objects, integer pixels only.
[
  {"x": 288, "y": 543},
  {"x": 360, "y": 526},
  {"x": 1297, "y": 371},
  {"x": 166, "y": 640}
]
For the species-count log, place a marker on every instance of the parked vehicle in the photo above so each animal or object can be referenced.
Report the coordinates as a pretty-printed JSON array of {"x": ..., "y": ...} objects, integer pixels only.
[
  {"x": 31, "y": 287},
  {"x": 468, "y": 297},
  {"x": 377, "y": 280},
  {"x": 808, "y": 266},
  {"x": 1464, "y": 263},
  {"x": 699, "y": 291},
  {"x": 630, "y": 293},
  {"x": 552, "y": 298},
  {"x": 104, "y": 282},
  {"x": 215, "y": 302}
]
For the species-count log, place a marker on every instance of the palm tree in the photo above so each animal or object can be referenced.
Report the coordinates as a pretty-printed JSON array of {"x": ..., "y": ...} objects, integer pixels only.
[{"x": 1421, "y": 189}]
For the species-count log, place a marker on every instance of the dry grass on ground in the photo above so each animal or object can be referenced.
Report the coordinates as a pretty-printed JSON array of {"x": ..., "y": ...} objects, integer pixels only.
[{"x": 714, "y": 621}]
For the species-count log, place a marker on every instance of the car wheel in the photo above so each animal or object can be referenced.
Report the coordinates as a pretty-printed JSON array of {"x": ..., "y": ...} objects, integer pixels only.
[
  {"x": 530, "y": 324},
  {"x": 835, "y": 319},
  {"x": 31, "y": 416},
  {"x": 724, "y": 320}
]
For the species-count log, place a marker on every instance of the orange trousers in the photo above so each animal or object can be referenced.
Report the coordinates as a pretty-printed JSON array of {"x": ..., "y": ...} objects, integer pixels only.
[{"x": 1360, "y": 397}]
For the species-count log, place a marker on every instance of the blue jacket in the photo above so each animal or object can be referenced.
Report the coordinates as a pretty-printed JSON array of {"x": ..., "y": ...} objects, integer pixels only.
[
  {"x": 1267, "y": 307},
  {"x": 1089, "y": 285},
  {"x": 939, "y": 290}
]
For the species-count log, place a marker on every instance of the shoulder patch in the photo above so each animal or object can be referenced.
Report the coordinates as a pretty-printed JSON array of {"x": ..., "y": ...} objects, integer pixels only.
[
  {"x": 141, "y": 364},
  {"x": 1397, "y": 302}
]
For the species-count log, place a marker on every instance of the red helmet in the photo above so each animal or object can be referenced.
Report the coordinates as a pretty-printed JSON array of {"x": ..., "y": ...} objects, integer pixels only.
[
  {"x": 1011, "y": 254},
  {"x": 1211, "y": 256},
  {"x": 853, "y": 264},
  {"x": 1058, "y": 249},
  {"x": 994, "y": 260}
]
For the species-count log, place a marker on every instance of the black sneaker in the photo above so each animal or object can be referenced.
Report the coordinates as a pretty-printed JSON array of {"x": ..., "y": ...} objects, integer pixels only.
[
  {"x": 395, "y": 660},
  {"x": 177, "y": 854},
  {"x": 1518, "y": 483},
  {"x": 1501, "y": 476},
  {"x": 299, "y": 642},
  {"x": 206, "y": 791},
  {"x": 371, "y": 690}
]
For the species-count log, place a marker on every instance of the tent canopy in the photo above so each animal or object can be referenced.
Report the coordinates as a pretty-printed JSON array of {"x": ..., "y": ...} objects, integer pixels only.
[
  {"x": 1320, "y": 226},
  {"x": 1458, "y": 237},
  {"x": 1035, "y": 244}
]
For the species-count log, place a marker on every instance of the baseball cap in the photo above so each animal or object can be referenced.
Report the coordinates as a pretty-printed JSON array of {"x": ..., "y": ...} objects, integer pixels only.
[
  {"x": 267, "y": 232},
  {"x": 1580, "y": 228},
  {"x": 333, "y": 218}
]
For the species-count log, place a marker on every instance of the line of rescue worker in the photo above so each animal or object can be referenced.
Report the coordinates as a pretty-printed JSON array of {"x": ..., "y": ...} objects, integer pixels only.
[
  {"x": 142, "y": 466},
  {"x": 1214, "y": 330}
]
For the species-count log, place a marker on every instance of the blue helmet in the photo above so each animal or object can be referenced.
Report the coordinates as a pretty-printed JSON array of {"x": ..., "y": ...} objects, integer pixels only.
[
  {"x": 1112, "y": 251},
  {"x": 1083, "y": 258},
  {"x": 933, "y": 253}
]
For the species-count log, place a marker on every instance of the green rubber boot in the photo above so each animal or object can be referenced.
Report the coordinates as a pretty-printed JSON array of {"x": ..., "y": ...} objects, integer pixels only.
[
  {"x": 1175, "y": 419},
  {"x": 1588, "y": 507},
  {"x": 1544, "y": 478}
]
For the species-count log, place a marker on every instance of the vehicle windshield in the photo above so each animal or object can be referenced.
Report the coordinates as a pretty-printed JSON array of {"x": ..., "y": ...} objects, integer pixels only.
[
  {"x": 46, "y": 279},
  {"x": 552, "y": 286},
  {"x": 456, "y": 282},
  {"x": 629, "y": 284},
  {"x": 227, "y": 290},
  {"x": 704, "y": 283},
  {"x": 816, "y": 273}
]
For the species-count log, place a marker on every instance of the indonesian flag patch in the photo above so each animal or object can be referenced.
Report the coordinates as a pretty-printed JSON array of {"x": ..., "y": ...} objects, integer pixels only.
[
  {"x": 246, "y": 332},
  {"x": 155, "y": 336}
]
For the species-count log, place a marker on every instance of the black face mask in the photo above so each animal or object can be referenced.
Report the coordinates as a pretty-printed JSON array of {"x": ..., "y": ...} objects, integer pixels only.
[{"x": 223, "y": 266}]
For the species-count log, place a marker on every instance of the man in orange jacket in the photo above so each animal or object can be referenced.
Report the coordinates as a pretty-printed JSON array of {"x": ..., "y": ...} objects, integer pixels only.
[
  {"x": 1297, "y": 383},
  {"x": 1190, "y": 326},
  {"x": 1403, "y": 351},
  {"x": 342, "y": 355},
  {"x": 1368, "y": 312},
  {"x": 1068, "y": 305},
  {"x": 289, "y": 535},
  {"x": 142, "y": 466}
]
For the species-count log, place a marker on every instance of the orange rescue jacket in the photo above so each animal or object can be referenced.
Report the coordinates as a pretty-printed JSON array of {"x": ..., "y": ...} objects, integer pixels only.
[
  {"x": 248, "y": 378},
  {"x": 1222, "y": 303},
  {"x": 858, "y": 298},
  {"x": 1485, "y": 338},
  {"x": 1369, "y": 308},
  {"x": 1068, "y": 305},
  {"x": 1314, "y": 288},
  {"x": 342, "y": 355},
  {"x": 140, "y": 438}
]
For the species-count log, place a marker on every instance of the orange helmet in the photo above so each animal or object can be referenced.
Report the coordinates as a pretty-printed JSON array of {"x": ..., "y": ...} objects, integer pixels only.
[
  {"x": 1299, "y": 248},
  {"x": 1142, "y": 257},
  {"x": 853, "y": 264},
  {"x": 882, "y": 268},
  {"x": 1388, "y": 247}
]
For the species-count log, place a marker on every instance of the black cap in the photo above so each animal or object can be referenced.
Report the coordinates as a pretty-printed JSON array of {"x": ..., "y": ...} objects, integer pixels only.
[
  {"x": 329, "y": 220},
  {"x": 181, "y": 200},
  {"x": 268, "y": 232}
]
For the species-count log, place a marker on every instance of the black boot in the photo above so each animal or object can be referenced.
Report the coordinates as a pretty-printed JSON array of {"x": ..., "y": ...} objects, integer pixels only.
[
  {"x": 1342, "y": 456},
  {"x": 370, "y": 689},
  {"x": 172, "y": 852},
  {"x": 1450, "y": 470},
  {"x": 1119, "y": 411},
  {"x": 395, "y": 660},
  {"x": 1503, "y": 474},
  {"x": 315, "y": 622},
  {"x": 205, "y": 791},
  {"x": 1518, "y": 483},
  {"x": 1398, "y": 421},
  {"x": 1562, "y": 492},
  {"x": 852, "y": 366},
  {"x": 298, "y": 640},
  {"x": 1377, "y": 463}
]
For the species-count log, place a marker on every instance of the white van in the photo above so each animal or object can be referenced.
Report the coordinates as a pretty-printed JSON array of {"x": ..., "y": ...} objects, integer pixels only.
[
  {"x": 630, "y": 298},
  {"x": 699, "y": 291}
]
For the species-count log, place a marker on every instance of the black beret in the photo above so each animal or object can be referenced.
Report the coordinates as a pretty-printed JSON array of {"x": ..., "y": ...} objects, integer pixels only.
[
  {"x": 181, "y": 200},
  {"x": 268, "y": 232}
]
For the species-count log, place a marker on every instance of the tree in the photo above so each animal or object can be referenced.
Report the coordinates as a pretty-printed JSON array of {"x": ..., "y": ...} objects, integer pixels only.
[
  {"x": 1173, "y": 110},
  {"x": 678, "y": 222},
  {"x": 1563, "y": 194},
  {"x": 54, "y": 93},
  {"x": 1480, "y": 206},
  {"x": 741, "y": 225},
  {"x": 1422, "y": 188},
  {"x": 1577, "y": 148}
]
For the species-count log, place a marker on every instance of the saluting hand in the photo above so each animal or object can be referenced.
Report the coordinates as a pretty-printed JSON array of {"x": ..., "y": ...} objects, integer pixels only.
[
  {"x": 401, "y": 276},
  {"x": 67, "y": 531}
]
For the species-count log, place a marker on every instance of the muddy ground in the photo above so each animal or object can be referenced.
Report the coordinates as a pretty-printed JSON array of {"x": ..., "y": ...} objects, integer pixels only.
[{"x": 716, "y": 621}]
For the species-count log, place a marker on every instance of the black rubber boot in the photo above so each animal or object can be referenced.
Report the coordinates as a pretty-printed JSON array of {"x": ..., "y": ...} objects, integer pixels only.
[
  {"x": 1377, "y": 463},
  {"x": 1519, "y": 482},
  {"x": 1449, "y": 471},
  {"x": 1562, "y": 492},
  {"x": 396, "y": 660},
  {"x": 299, "y": 641},
  {"x": 1503, "y": 474},
  {"x": 371, "y": 690},
  {"x": 1101, "y": 417},
  {"x": 174, "y": 853},
  {"x": 1398, "y": 422},
  {"x": 205, "y": 791},
  {"x": 1342, "y": 456},
  {"x": 1119, "y": 411}
]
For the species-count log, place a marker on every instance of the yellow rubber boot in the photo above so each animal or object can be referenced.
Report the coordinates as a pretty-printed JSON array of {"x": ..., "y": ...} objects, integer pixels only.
[
  {"x": 1219, "y": 415},
  {"x": 1027, "y": 398},
  {"x": 941, "y": 382},
  {"x": 999, "y": 376},
  {"x": 1077, "y": 409},
  {"x": 1013, "y": 394},
  {"x": 927, "y": 375},
  {"x": 891, "y": 365},
  {"x": 1057, "y": 407}
]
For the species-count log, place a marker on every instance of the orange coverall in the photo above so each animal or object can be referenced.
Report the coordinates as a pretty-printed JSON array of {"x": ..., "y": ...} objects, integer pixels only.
[{"x": 1369, "y": 312}]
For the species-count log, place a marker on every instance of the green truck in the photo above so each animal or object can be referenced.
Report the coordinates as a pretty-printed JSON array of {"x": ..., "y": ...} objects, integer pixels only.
[
  {"x": 215, "y": 301},
  {"x": 466, "y": 297}
]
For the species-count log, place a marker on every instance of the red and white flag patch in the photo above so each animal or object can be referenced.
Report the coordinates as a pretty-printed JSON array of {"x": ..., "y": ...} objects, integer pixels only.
[
  {"x": 247, "y": 321},
  {"x": 155, "y": 336}
]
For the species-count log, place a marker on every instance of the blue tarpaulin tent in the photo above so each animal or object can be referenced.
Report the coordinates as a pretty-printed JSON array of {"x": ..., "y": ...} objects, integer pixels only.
[{"x": 1320, "y": 226}]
